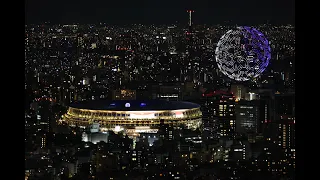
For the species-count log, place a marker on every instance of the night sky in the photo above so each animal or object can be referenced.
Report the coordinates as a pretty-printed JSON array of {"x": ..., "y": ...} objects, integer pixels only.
[{"x": 160, "y": 11}]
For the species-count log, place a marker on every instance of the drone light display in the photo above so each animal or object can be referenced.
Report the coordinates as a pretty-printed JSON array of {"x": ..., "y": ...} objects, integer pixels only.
[{"x": 243, "y": 53}]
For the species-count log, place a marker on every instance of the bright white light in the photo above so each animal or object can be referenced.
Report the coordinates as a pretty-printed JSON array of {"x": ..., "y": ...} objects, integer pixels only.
[
  {"x": 118, "y": 128},
  {"x": 168, "y": 96},
  {"x": 179, "y": 113},
  {"x": 84, "y": 137},
  {"x": 146, "y": 131},
  {"x": 143, "y": 115},
  {"x": 127, "y": 105},
  {"x": 142, "y": 127}
]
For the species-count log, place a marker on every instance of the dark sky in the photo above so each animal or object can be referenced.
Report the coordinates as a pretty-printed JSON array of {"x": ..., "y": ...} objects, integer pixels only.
[{"x": 159, "y": 11}]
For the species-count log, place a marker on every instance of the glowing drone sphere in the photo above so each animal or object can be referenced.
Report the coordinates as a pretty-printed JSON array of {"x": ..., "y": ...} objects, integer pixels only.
[{"x": 243, "y": 53}]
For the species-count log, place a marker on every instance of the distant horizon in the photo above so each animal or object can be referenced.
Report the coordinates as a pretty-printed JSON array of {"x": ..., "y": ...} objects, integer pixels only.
[
  {"x": 163, "y": 24},
  {"x": 160, "y": 12}
]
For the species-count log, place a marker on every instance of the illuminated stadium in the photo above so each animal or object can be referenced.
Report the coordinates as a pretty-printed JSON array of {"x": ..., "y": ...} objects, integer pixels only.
[{"x": 133, "y": 116}]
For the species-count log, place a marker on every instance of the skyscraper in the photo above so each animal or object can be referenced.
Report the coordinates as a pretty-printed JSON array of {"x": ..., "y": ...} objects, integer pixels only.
[
  {"x": 189, "y": 33},
  {"x": 284, "y": 105},
  {"x": 282, "y": 134},
  {"x": 239, "y": 91},
  {"x": 266, "y": 110},
  {"x": 189, "y": 62},
  {"x": 247, "y": 117},
  {"x": 219, "y": 119},
  {"x": 286, "y": 132}
]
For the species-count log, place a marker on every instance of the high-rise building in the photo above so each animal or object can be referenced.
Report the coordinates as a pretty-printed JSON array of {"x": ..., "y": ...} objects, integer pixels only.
[
  {"x": 266, "y": 110},
  {"x": 247, "y": 116},
  {"x": 219, "y": 119},
  {"x": 239, "y": 91},
  {"x": 189, "y": 65},
  {"x": 189, "y": 33},
  {"x": 282, "y": 134},
  {"x": 284, "y": 105},
  {"x": 208, "y": 121},
  {"x": 286, "y": 132},
  {"x": 250, "y": 96}
]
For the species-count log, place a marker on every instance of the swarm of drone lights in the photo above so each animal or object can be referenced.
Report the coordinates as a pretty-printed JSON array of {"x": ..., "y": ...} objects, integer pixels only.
[{"x": 243, "y": 53}]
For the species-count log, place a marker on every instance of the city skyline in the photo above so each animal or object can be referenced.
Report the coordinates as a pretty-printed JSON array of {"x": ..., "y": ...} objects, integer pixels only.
[{"x": 176, "y": 90}]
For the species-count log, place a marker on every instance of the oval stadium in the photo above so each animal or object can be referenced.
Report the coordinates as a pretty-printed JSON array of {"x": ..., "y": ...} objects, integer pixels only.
[{"x": 133, "y": 116}]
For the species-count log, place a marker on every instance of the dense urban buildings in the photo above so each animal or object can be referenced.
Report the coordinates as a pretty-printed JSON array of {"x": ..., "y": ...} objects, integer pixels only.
[{"x": 149, "y": 102}]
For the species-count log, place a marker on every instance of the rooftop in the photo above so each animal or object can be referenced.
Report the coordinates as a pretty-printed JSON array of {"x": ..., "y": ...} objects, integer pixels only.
[{"x": 134, "y": 105}]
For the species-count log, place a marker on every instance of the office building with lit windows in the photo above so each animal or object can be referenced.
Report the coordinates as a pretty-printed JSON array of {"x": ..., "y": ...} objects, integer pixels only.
[
  {"x": 247, "y": 116},
  {"x": 220, "y": 118},
  {"x": 281, "y": 133},
  {"x": 133, "y": 116},
  {"x": 286, "y": 138},
  {"x": 286, "y": 132},
  {"x": 43, "y": 141}
]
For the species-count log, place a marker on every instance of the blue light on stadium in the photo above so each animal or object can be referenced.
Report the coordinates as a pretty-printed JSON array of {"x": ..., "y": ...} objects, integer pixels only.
[{"x": 127, "y": 105}]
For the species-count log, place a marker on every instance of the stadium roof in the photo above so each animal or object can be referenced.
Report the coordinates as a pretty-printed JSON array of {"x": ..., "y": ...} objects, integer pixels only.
[{"x": 134, "y": 105}]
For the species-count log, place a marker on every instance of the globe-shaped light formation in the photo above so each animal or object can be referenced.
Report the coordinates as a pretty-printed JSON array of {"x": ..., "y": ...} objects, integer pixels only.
[{"x": 243, "y": 53}]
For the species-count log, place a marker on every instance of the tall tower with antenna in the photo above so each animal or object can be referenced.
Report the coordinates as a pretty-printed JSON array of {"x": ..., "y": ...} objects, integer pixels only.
[
  {"x": 190, "y": 20},
  {"x": 189, "y": 32},
  {"x": 189, "y": 71},
  {"x": 190, "y": 16}
]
